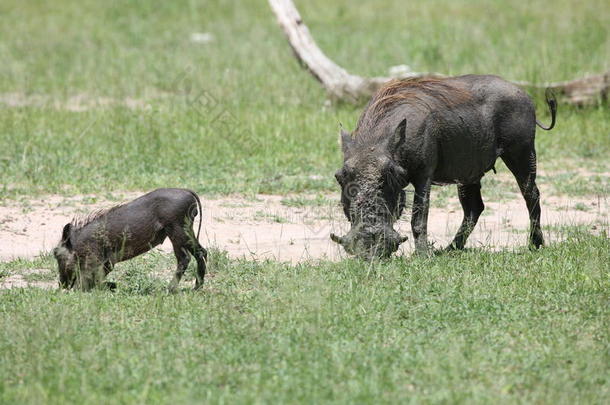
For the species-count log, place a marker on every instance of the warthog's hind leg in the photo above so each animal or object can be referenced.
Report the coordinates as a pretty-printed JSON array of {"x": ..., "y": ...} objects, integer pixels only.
[
  {"x": 180, "y": 242},
  {"x": 201, "y": 255},
  {"x": 198, "y": 252},
  {"x": 183, "y": 258},
  {"x": 523, "y": 167}
]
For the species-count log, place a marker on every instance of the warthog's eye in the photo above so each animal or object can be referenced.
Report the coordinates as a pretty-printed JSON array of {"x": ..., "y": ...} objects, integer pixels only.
[{"x": 395, "y": 176}]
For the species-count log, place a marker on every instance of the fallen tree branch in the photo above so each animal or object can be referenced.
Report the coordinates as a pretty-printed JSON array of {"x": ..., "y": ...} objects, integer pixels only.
[{"x": 341, "y": 85}]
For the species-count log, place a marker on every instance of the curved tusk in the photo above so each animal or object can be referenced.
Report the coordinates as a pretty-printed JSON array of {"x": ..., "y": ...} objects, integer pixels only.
[{"x": 336, "y": 239}]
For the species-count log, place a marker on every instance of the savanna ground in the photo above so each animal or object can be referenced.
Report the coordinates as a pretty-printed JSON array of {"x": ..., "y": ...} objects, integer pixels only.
[{"x": 99, "y": 101}]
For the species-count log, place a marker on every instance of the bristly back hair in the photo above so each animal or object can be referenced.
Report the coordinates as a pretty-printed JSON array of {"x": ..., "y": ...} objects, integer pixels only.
[
  {"x": 79, "y": 222},
  {"x": 430, "y": 94}
]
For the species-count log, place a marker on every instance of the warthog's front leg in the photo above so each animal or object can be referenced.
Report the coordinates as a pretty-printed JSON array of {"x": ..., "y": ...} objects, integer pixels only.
[
  {"x": 419, "y": 216},
  {"x": 91, "y": 275},
  {"x": 472, "y": 205}
]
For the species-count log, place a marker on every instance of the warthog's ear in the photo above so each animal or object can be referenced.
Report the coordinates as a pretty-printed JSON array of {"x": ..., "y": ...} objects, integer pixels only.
[
  {"x": 400, "y": 134},
  {"x": 65, "y": 236},
  {"x": 346, "y": 141}
]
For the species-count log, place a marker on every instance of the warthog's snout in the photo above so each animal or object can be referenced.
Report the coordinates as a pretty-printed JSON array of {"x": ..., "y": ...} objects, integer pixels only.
[{"x": 370, "y": 242}]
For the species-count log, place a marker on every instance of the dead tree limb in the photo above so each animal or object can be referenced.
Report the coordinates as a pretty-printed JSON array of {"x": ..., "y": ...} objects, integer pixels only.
[{"x": 342, "y": 85}]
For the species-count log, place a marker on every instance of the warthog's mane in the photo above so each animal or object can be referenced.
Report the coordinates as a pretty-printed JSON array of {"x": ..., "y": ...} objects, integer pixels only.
[
  {"x": 81, "y": 221},
  {"x": 426, "y": 94}
]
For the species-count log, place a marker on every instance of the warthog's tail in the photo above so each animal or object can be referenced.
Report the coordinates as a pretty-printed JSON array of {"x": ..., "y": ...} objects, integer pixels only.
[
  {"x": 200, "y": 212},
  {"x": 552, "y": 103}
]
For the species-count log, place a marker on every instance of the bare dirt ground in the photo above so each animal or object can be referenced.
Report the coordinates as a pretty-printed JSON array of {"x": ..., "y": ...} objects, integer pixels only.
[
  {"x": 268, "y": 227},
  {"x": 23, "y": 280},
  {"x": 77, "y": 102}
]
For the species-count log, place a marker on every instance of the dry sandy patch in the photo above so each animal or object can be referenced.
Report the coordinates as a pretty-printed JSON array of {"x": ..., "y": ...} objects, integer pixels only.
[{"x": 264, "y": 227}]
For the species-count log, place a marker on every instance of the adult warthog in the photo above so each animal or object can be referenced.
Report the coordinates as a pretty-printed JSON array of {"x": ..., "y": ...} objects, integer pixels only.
[
  {"x": 434, "y": 131},
  {"x": 91, "y": 246}
]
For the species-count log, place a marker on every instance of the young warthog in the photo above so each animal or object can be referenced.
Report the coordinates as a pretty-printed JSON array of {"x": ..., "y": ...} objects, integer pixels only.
[
  {"x": 435, "y": 131},
  {"x": 90, "y": 247}
]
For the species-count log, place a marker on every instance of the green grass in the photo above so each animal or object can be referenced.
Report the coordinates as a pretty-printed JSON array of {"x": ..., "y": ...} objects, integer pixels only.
[
  {"x": 575, "y": 184},
  {"x": 301, "y": 201},
  {"x": 472, "y": 327},
  {"x": 239, "y": 114},
  {"x": 269, "y": 217},
  {"x": 50, "y": 276}
]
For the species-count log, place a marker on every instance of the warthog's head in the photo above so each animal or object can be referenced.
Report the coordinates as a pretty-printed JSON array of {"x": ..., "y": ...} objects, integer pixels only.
[
  {"x": 66, "y": 259},
  {"x": 372, "y": 194}
]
